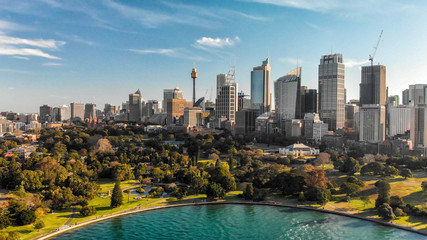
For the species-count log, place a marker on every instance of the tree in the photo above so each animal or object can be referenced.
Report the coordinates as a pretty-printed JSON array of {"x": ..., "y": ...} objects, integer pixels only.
[
  {"x": 355, "y": 180},
  {"x": 350, "y": 166},
  {"x": 39, "y": 224},
  {"x": 87, "y": 211},
  {"x": 390, "y": 171},
  {"x": 386, "y": 212},
  {"x": 26, "y": 217},
  {"x": 117, "y": 196},
  {"x": 322, "y": 159},
  {"x": 248, "y": 194},
  {"x": 4, "y": 221},
  {"x": 406, "y": 173},
  {"x": 424, "y": 185},
  {"x": 383, "y": 192},
  {"x": 397, "y": 202},
  {"x": 215, "y": 191},
  {"x": 316, "y": 178},
  {"x": 373, "y": 168},
  {"x": 317, "y": 194},
  {"x": 350, "y": 188}
]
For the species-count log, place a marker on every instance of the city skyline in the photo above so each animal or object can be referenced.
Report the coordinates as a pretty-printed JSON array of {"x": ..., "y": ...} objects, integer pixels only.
[{"x": 56, "y": 52}]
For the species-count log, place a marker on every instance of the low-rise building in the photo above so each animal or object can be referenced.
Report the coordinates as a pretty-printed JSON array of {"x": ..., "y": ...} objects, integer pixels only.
[{"x": 299, "y": 149}]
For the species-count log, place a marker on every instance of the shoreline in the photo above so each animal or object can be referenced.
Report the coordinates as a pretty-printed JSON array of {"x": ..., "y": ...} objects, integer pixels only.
[{"x": 133, "y": 211}]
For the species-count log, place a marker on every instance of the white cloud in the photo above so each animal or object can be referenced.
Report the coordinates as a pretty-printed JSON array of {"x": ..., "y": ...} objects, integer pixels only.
[
  {"x": 19, "y": 57},
  {"x": 216, "y": 42},
  {"x": 9, "y": 26},
  {"x": 8, "y": 47},
  {"x": 349, "y": 63},
  {"x": 314, "y": 5},
  {"x": 25, "y": 52},
  {"x": 161, "y": 51},
  {"x": 52, "y": 64},
  {"x": 50, "y": 43}
]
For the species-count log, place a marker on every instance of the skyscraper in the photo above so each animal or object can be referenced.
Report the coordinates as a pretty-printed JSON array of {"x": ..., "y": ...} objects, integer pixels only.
[
  {"x": 288, "y": 96},
  {"x": 372, "y": 123},
  {"x": 405, "y": 97},
  {"x": 260, "y": 87},
  {"x": 373, "y": 85},
  {"x": 400, "y": 120},
  {"x": 77, "y": 111},
  {"x": 419, "y": 126},
  {"x": 175, "y": 93},
  {"x": 135, "y": 106},
  {"x": 45, "y": 113},
  {"x": 331, "y": 90},
  {"x": 90, "y": 112},
  {"x": 226, "y": 99},
  {"x": 417, "y": 94}
]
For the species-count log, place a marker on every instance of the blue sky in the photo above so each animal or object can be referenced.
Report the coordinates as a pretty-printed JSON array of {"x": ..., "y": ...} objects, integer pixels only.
[{"x": 56, "y": 52}]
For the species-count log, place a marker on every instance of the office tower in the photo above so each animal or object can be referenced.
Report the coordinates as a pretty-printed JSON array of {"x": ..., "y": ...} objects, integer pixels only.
[
  {"x": 331, "y": 91},
  {"x": 419, "y": 125},
  {"x": 287, "y": 92},
  {"x": 175, "y": 93},
  {"x": 56, "y": 117},
  {"x": 151, "y": 108},
  {"x": 190, "y": 116},
  {"x": 90, "y": 112},
  {"x": 372, "y": 123},
  {"x": 355, "y": 102},
  {"x": 393, "y": 101},
  {"x": 77, "y": 111},
  {"x": 245, "y": 120},
  {"x": 221, "y": 80},
  {"x": 176, "y": 108},
  {"x": 350, "y": 111},
  {"x": 400, "y": 120},
  {"x": 373, "y": 85},
  {"x": 109, "y": 110},
  {"x": 260, "y": 87},
  {"x": 244, "y": 102},
  {"x": 309, "y": 101},
  {"x": 314, "y": 128},
  {"x": 63, "y": 113},
  {"x": 417, "y": 94},
  {"x": 135, "y": 106},
  {"x": 45, "y": 113},
  {"x": 405, "y": 97},
  {"x": 226, "y": 102}
]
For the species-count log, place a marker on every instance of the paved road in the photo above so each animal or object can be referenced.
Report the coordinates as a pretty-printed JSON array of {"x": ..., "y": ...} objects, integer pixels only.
[{"x": 73, "y": 215}]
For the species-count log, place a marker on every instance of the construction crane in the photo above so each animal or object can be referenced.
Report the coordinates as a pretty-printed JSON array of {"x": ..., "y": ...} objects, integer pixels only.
[{"x": 371, "y": 57}]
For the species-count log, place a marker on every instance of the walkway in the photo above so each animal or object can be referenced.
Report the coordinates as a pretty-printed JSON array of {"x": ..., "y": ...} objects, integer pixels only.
[{"x": 73, "y": 215}]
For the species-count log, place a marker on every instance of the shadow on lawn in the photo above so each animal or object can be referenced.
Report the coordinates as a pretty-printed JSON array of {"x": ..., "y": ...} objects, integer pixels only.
[{"x": 416, "y": 197}]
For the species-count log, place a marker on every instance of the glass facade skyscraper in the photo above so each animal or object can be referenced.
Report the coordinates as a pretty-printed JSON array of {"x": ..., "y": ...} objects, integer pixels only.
[
  {"x": 260, "y": 87},
  {"x": 331, "y": 91}
]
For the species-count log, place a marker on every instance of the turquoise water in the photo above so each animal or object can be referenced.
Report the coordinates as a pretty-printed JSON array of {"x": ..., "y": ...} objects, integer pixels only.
[{"x": 236, "y": 222}]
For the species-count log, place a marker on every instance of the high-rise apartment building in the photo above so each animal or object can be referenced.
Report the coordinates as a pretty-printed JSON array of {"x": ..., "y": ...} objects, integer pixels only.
[
  {"x": 287, "y": 92},
  {"x": 45, "y": 113},
  {"x": 260, "y": 87},
  {"x": 175, "y": 93},
  {"x": 331, "y": 91},
  {"x": 373, "y": 85},
  {"x": 90, "y": 112},
  {"x": 77, "y": 111},
  {"x": 372, "y": 123}
]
